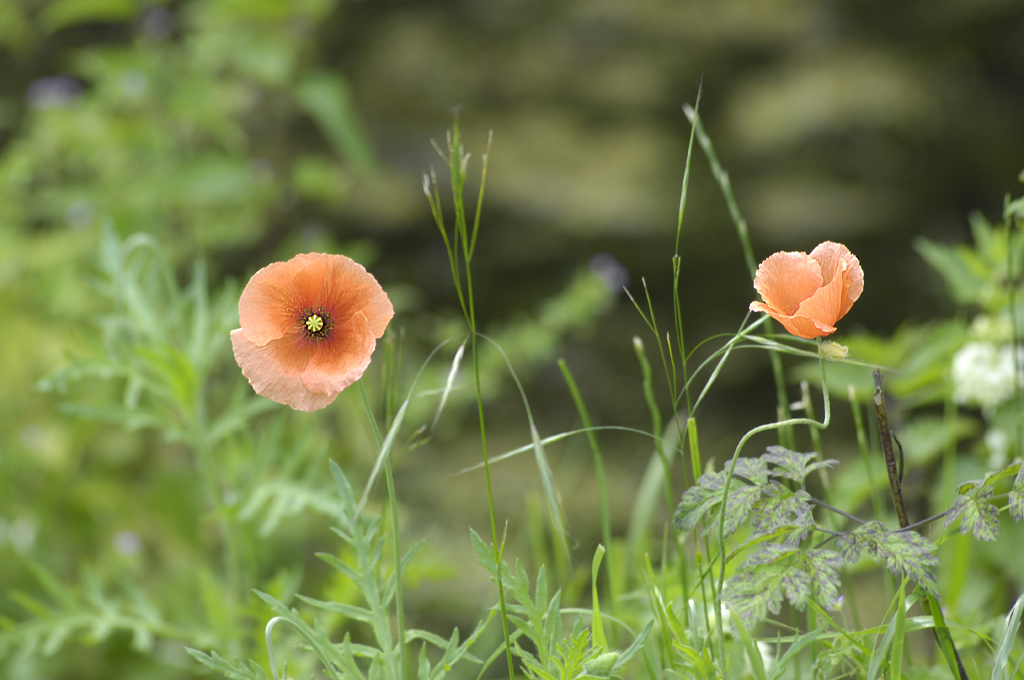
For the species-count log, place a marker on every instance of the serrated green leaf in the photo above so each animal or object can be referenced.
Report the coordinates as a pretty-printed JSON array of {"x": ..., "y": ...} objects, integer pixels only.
[
  {"x": 701, "y": 500},
  {"x": 792, "y": 465},
  {"x": 696, "y": 502},
  {"x": 994, "y": 477},
  {"x": 776, "y": 572},
  {"x": 902, "y": 552},
  {"x": 235, "y": 669},
  {"x": 779, "y": 507},
  {"x": 976, "y": 514},
  {"x": 1016, "y": 497}
]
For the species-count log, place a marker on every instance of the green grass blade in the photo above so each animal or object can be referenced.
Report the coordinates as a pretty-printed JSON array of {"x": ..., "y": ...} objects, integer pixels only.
[
  {"x": 1002, "y": 656},
  {"x": 753, "y": 652},
  {"x": 899, "y": 633},
  {"x": 385, "y": 451},
  {"x": 598, "y": 627}
]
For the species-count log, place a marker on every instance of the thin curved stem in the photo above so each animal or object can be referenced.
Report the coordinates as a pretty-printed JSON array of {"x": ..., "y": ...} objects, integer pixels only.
[{"x": 791, "y": 422}]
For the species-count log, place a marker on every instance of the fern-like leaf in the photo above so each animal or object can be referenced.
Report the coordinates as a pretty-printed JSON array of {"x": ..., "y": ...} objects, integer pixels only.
[
  {"x": 777, "y": 572},
  {"x": 1016, "y": 497},
  {"x": 703, "y": 500},
  {"x": 235, "y": 669},
  {"x": 792, "y": 465},
  {"x": 780, "y": 507},
  {"x": 902, "y": 552},
  {"x": 976, "y": 514}
]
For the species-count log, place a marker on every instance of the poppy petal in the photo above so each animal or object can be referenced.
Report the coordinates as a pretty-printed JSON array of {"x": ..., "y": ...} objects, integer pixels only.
[
  {"x": 799, "y": 325},
  {"x": 347, "y": 287},
  {"x": 270, "y": 303},
  {"x": 261, "y": 365},
  {"x": 826, "y": 305},
  {"x": 785, "y": 279},
  {"x": 292, "y": 352},
  {"x": 831, "y": 255},
  {"x": 340, "y": 361}
]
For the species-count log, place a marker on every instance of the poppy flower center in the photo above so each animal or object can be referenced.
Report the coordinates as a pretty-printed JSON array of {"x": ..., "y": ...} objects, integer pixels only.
[{"x": 316, "y": 324}]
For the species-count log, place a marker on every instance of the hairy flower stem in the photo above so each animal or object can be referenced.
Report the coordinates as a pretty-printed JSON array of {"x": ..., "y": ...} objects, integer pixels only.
[{"x": 929, "y": 604}]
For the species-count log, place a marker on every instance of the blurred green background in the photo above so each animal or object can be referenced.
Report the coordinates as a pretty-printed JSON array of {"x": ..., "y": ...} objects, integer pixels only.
[{"x": 238, "y": 132}]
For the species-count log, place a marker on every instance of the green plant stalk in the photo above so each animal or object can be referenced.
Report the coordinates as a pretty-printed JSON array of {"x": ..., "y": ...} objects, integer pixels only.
[
  {"x": 677, "y": 315},
  {"x": 808, "y": 404},
  {"x": 792, "y": 422},
  {"x": 896, "y": 656},
  {"x": 458, "y": 178},
  {"x": 695, "y": 468},
  {"x": 823, "y": 473},
  {"x": 602, "y": 486},
  {"x": 786, "y": 436},
  {"x": 1011, "y": 288},
  {"x": 395, "y": 536},
  {"x": 677, "y": 266},
  {"x": 652, "y": 406},
  {"x": 929, "y": 604}
]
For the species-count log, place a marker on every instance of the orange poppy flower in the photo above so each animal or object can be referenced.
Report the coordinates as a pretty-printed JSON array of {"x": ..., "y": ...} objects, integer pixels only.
[
  {"x": 808, "y": 294},
  {"x": 309, "y": 326}
]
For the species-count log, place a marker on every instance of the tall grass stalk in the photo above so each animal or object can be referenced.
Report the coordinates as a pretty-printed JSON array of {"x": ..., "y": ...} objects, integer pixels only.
[
  {"x": 786, "y": 435},
  {"x": 460, "y": 247},
  {"x": 602, "y": 485}
]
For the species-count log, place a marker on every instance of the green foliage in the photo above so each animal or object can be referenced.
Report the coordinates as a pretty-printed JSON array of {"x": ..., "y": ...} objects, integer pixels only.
[
  {"x": 776, "y": 505},
  {"x": 902, "y": 552},
  {"x": 983, "y": 274},
  {"x": 778, "y": 568},
  {"x": 361, "y": 533},
  {"x": 538, "y": 618},
  {"x": 223, "y": 491},
  {"x": 774, "y": 572},
  {"x": 976, "y": 514},
  {"x": 1016, "y": 504},
  {"x": 182, "y": 137},
  {"x": 89, "y": 612}
]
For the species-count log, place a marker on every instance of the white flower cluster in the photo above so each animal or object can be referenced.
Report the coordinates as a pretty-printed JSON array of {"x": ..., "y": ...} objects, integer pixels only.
[{"x": 983, "y": 374}]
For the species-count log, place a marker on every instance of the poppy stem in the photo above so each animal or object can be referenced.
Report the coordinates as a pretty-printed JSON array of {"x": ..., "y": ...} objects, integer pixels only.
[{"x": 791, "y": 422}]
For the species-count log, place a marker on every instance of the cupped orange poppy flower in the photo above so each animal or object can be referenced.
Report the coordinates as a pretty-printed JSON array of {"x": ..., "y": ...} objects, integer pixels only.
[
  {"x": 309, "y": 327},
  {"x": 808, "y": 294}
]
